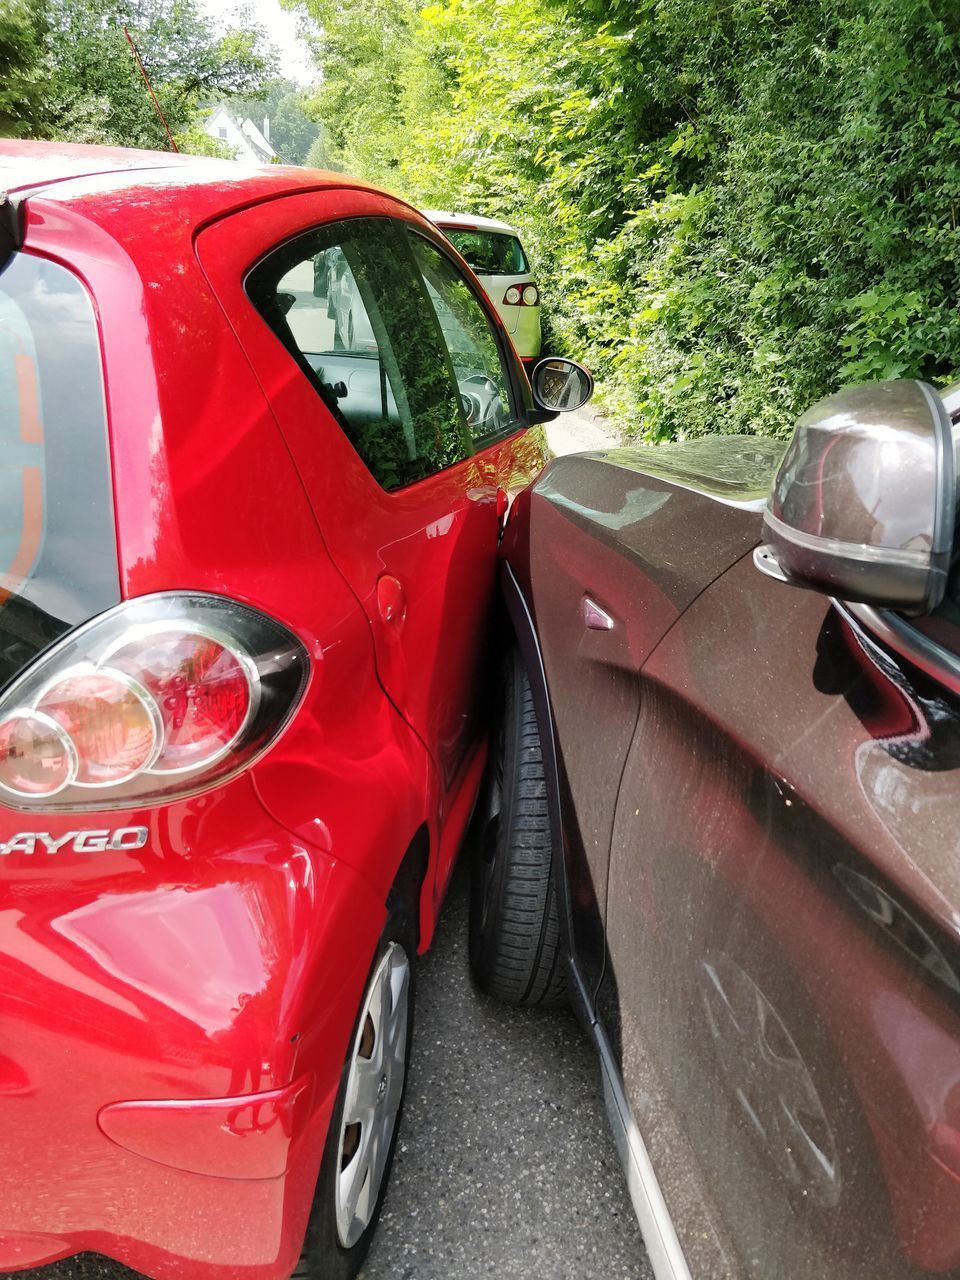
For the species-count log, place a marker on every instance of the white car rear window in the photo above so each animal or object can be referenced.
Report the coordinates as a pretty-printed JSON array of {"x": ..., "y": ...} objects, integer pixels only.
[{"x": 489, "y": 253}]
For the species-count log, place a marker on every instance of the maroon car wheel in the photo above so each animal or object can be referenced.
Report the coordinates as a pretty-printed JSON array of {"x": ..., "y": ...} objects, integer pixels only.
[{"x": 514, "y": 917}]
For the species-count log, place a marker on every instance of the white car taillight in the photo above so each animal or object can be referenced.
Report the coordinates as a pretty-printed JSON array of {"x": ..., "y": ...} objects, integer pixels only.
[
  {"x": 162, "y": 696},
  {"x": 522, "y": 295}
]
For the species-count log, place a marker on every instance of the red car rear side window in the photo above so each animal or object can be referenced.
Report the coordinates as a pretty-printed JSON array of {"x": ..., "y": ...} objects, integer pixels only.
[
  {"x": 350, "y": 306},
  {"x": 58, "y": 559}
]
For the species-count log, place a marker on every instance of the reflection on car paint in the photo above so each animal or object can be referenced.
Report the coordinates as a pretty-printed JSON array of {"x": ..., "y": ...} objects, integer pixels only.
[
  {"x": 767, "y": 924},
  {"x": 178, "y": 1009},
  {"x": 638, "y": 504}
]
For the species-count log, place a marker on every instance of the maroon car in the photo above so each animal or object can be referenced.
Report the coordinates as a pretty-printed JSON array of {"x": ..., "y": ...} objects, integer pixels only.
[{"x": 727, "y": 828}]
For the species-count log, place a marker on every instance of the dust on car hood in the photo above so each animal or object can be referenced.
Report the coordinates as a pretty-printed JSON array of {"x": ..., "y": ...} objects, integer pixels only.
[{"x": 737, "y": 470}]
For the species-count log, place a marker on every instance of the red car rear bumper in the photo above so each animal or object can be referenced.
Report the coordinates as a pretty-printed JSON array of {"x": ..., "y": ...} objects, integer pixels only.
[{"x": 172, "y": 1033}]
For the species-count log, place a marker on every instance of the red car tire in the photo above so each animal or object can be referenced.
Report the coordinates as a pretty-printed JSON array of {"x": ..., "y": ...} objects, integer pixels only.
[{"x": 334, "y": 1248}]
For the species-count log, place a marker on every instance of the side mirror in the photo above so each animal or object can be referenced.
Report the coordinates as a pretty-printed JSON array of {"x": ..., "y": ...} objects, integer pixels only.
[
  {"x": 560, "y": 386},
  {"x": 863, "y": 505}
]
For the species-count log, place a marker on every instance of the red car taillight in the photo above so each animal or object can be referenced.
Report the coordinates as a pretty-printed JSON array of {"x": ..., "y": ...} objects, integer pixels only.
[
  {"x": 527, "y": 295},
  {"x": 162, "y": 696}
]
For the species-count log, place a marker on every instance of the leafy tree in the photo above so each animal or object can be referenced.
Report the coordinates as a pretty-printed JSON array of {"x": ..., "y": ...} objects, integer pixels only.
[
  {"x": 362, "y": 48},
  {"x": 93, "y": 91},
  {"x": 320, "y": 155},
  {"x": 735, "y": 205},
  {"x": 20, "y": 84},
  {"x": 195, "y": 141},
  {"x": 292, "y": 130},
  {"x": 793, "y": 226}
]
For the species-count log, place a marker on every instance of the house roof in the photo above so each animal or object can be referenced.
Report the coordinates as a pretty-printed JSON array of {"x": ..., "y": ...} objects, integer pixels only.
[{"x": 255, "y": 139}]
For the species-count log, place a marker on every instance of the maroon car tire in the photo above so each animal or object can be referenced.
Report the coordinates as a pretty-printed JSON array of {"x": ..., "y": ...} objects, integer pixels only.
[
  {"x": 515, "y": 951},
  {"x": 333, "y": 1249}
]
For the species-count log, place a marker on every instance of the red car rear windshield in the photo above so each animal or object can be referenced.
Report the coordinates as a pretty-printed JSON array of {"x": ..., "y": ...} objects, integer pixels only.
[
  {"x": 58, "y": 559},
  {"x": 489, "y": 253}
]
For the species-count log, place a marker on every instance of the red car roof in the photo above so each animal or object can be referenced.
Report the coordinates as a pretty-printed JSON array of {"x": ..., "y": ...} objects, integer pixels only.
[
  {"x": 36, "y": 164},
  {"x": 28, "y": 169}
]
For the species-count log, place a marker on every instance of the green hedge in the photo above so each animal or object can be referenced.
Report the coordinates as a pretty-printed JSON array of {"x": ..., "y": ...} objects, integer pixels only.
[{"x": 736, "y": 205}]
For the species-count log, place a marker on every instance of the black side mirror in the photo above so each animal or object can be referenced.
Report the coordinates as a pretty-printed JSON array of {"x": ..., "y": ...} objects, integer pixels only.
[
  {"x": 864, "y": 503},
  {"x": 561, "y": 386}
]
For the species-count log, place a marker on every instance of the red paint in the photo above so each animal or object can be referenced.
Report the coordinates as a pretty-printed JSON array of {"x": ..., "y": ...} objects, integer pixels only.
[
  {"x": 391, "y": 600},
  {"x": 175, "y": 1018},
  {"x": 244, "y": 1137}
]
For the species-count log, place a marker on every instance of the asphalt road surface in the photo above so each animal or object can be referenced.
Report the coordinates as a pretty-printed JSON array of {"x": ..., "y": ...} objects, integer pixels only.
[
  {"x": 505, "y": 1166},
  {"x": 579, "y": 432}
]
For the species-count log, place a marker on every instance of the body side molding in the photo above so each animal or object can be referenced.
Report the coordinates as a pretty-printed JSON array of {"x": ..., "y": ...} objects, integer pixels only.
[{"x": 656, "y": 1226}]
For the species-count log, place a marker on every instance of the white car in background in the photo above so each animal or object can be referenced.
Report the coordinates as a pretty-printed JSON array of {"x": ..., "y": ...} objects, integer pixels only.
[{"x": 496, "y": 257}]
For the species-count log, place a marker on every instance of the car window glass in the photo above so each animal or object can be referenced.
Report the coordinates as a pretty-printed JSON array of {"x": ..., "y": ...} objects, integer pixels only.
[
  {"x": 488, "y": 252},
  {"x": 58, "y": 557},
  {"x": 350, "y": 305},
  {"x": 943, "y": 625},
  {"x": 474, "y": 354}
]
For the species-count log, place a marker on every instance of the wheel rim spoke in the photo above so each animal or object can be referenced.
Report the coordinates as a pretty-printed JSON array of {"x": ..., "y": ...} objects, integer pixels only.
[
  {"x": 352, "y": 1181},
  {"x": 363, "y": 1096},
  {"x": 395, "y": 1019},
  {"x": 373, "y": 1094}
]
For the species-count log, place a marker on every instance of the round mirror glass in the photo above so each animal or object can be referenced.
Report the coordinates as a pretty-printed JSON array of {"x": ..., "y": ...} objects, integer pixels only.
[{"x": 561, "y": 385}]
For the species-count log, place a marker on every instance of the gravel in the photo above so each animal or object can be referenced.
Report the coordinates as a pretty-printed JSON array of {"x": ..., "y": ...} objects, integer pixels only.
[{"x": 505, "y": 1166}]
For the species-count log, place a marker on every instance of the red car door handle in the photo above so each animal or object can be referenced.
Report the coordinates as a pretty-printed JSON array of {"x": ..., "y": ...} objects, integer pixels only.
[{"x": 391, "y": 598}]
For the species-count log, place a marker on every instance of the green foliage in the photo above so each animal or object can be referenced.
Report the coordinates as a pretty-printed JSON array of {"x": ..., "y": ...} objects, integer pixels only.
[
  {"x": 292, "y": 132},
  {"x": 20, "y": 82},
  {"x": 362, "y": 49},
  {"x": 320, "y": 155},
  {"x": 735, "y": 206},
  {"x": 92, "y": 89},
  {"x": 195, "y": 141}
]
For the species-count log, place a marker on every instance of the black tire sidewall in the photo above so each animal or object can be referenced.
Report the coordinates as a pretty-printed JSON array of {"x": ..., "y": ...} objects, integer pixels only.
[
  {"x": 515, "y": 946},
  {"x": 487, "y": 886}
]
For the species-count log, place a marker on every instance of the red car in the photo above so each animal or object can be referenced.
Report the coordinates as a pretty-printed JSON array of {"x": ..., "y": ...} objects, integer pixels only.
[{"x": 246, "y": 577}]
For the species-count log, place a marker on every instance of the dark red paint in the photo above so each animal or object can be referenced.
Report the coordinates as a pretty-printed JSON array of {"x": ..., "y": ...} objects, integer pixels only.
[{"x": 767, "y": 800}]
